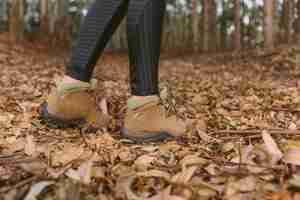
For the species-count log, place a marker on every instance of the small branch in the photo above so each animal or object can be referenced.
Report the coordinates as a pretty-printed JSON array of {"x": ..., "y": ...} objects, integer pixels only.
[
  {"x": 14, "y": 161},
  {"x": 18, "y": 185},
  {"x": 256, "y": 132}
]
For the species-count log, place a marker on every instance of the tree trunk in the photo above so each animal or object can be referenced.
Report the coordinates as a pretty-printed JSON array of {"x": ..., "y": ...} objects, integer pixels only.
[
  {"x": 268, "y": 24},
  {"x": 209, "y": 25},
  {"x": 288, "y": 19},
  {"x": 44, "y": 16},
  {"x": 16, "y": 25},
  {"x": 298, "y": 22},
  {"x": 195, "y": 21},
  {"x": 237, "y": 24},
  {"x": 206, "y": 25},
  {"x": 213, "y": 26}
]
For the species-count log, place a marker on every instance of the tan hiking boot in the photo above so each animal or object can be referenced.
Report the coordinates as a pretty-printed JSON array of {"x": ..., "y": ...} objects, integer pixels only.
[
  {"x": 72, "y": 104},
  {"x": 146, "y": 121}
]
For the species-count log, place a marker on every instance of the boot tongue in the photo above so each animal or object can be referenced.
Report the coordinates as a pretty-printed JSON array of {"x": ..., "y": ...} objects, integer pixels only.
[
  {"x": 63, "y": 88},
  {"x": 134, "y": 104}
]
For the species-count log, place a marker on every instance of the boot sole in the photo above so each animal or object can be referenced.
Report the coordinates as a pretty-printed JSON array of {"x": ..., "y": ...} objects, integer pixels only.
[
  {"x": 53, "y": 121},
  {"x": 157, "y": 137}
]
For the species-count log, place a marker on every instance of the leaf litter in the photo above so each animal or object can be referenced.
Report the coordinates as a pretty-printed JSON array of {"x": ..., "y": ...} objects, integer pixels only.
[{"x": 242, "y": 141}]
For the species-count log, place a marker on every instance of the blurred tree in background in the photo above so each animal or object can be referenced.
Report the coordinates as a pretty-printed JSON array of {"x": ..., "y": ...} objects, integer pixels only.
[{"x": 198, "y": 25}]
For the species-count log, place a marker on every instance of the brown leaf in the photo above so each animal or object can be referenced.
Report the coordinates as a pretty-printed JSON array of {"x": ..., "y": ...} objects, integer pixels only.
[
  {"x": 30, "y": 146},
  {"x": 143, "y": 162},
  {"x": 155, "y": 173},
  {"x": 85, "y": 171},
  {"x": 36, "y": 189},
  {"x": 292, "y": 156},
  {"x": 36, "y": 167},
  {"x": 185, "y": 176},
  {"x": 272, "y": 147},
  {"x": 166, "y": 195}
]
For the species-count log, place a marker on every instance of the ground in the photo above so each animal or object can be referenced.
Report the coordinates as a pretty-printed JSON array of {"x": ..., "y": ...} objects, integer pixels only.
[{"x": 242, "y": 141}]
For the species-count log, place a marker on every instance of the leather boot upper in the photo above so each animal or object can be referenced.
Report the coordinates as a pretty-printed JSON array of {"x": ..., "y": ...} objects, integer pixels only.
[
  {"x": 149, "y": 118},
  {"x": 75, "y": 102}
]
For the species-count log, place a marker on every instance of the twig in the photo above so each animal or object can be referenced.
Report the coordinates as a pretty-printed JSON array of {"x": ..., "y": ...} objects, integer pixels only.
[
  {"x": 6, "y": 156},
  {"x": 256, "y": 132},
  {"x": 20, "y": 184},
  {"x": 255, "y": 136},
  {"x": 282, "y": 109},
  {"x": 13, "y": 161}
]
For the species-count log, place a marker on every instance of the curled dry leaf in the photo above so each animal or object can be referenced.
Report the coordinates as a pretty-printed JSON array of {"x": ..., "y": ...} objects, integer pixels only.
[
  {"x": 98, "y": 172},
  {"x": 292, "y": 156},
  {"x": 103, "y": 106},
  {"x": 73, "y": 174},
  {"x": 295, "y": 181},
  {"x": 191, "y": 160},
  {"x": 204, "y": 136},
  {"x": 85, "y": 172},
  {"x": 126, "y": 155},
  {"x": 36, "y": 189},
  {"x": 155, "y": 173},
  {"x": 126, "y": 186},
  {"x": 213, "y": 169},
  {"x": 185, "y": 176},
  {"x": 143, "y": 162},
  {"x": 206, "y": 193},
  {"x": 272, "y": 147},
  {"x": 166, "y": 195},
  {"x": 247, "y": 184},
  {"x": 68, "y": 153},
  {"x": 35, "y": 167},
  {"x": 30, "y": 146}
]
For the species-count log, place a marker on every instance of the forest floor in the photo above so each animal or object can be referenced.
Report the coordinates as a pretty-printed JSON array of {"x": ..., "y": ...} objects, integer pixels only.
[{"x": 242, "y": 142}]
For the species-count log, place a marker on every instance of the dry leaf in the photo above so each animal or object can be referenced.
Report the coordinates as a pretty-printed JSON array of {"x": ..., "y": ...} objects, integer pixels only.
[
  {"x": 143, "y": 162},
  {"x": 30, "y": 146},
  {"x": 166, "y": 195},
  {"x": 292, "y": 156},
  {"x": 73, "y": 174},
  {"x": 103, "y": 106},
  {"x": 191, "y": 160},
  {"x": 272, "y": 147},
  {"x": 85, "y": 172},
  {"x": 247, "y": 184},
  {"x": 36, "y": 189},
  {"x": 36, "y": 167},
  {"x": 155, "y": 173},
  {"x": 185, "y": 176}
]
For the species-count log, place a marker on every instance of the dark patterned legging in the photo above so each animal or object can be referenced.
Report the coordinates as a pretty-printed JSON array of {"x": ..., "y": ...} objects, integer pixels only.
[{"x": 144, "y": 28}]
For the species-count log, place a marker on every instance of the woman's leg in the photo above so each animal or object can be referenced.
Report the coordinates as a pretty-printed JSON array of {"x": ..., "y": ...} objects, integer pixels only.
[
  {"x": 145, "y": 20},
  {"x": 71, "y": 100},
  {"x": 145, "y": 119},
  {"x": 100, "y": 23}
]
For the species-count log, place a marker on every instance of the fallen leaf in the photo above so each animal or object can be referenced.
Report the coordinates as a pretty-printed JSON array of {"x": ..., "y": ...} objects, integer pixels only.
[
  {"x": 36, "y": 189},
  {"x": 185, "y": 176},
  {"x": 272, "y": 147},
  {"x": 143, "y": 162},
  {"x": 30, "y": 146},
  {"x": 73, "y": 174},
  {"x": 155, "y": 173},
  {"x": 85, "y": 172},
  {"x": 166, "y": 195},
  {"x": 292, "y": 156},
  {"x": 247, "y": 184},
  {"x": 36, "y": 167}
]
